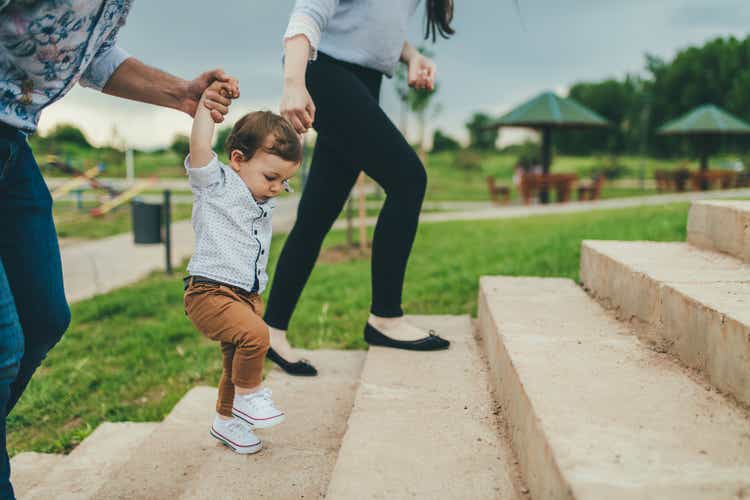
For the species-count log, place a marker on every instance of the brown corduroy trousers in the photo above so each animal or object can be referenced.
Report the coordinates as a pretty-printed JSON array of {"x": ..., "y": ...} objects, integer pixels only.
[{"x": 234, "y": 319}]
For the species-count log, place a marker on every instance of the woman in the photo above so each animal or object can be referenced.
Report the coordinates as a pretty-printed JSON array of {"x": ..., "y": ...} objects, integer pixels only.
[{"x": 336, "y": 53}]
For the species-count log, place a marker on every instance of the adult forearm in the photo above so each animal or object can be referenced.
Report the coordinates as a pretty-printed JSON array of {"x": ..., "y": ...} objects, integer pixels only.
[
  {"x": 407, "y": 52},
  {"x": 296, "y": 55},
  {"x": 139, "y": 82}
]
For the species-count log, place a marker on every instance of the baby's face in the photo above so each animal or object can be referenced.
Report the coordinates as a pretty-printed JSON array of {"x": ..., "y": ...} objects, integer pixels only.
[{"x": 264, "y": 174}]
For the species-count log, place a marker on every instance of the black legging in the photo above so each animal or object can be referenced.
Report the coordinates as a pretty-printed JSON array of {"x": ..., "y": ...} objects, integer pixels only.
[{"x": 354, "y": 134}]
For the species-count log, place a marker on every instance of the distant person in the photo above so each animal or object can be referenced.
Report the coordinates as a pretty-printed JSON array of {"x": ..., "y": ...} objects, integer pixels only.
[
  {"x": 336, "y": 54},
  {"x": 227, "y": 273},
  {"x": 518, "y": 173},
  {"x": 45, "y": 49}
]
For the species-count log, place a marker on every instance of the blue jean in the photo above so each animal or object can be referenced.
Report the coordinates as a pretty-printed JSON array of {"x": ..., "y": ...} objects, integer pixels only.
[{"x": 33, "y": 311}]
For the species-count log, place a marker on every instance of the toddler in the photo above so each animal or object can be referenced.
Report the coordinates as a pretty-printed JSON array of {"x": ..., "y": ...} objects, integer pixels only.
[{"x": 227, "y": 272}]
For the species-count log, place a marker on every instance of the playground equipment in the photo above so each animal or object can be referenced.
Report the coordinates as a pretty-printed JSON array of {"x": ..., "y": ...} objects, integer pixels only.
[
  {"x": 77, "y": 181},
  {"x": 123, "y": 197}
]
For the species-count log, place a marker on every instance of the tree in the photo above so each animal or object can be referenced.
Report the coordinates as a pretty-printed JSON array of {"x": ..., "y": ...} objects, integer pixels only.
[
  {"x": 180, "y": 145},
  {"x": 717, "y": 72},
  {"x": 481, "y": 135},
  {"x": 221, "y": 138},
  {"x": 620, "y": 102},
  {"x": 443, "y": 142},
  {"x": 71, "y": 134}
]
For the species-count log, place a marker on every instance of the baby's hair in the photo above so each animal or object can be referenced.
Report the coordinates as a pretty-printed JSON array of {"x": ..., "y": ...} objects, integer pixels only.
[{"x": 251, "y": 132}]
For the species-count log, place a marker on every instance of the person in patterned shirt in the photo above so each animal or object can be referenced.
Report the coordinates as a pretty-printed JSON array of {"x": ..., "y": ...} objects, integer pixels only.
[{"x": 46, "y": 47}]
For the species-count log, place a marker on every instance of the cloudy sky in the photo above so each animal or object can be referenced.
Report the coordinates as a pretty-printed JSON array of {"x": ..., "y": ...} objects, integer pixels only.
[{"x": 496, "y": 60}]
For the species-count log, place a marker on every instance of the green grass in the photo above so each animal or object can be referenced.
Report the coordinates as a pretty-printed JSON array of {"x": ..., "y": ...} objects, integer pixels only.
[
  {"x": 73, "y": 223},
  {"x": 131, "y": 355}
]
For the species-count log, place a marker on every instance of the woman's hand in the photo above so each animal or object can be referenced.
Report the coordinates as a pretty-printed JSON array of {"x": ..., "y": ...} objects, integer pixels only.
[
  {"x": 421, "y": 72},
  {"x": 297, "y": 106}
]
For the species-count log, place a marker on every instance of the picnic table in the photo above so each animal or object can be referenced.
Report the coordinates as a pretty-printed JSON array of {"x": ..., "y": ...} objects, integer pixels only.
[
  {"x": 562, "y": 183},
  {"x": 706, "y": 179},
  {"x": 677, "y": 180}
]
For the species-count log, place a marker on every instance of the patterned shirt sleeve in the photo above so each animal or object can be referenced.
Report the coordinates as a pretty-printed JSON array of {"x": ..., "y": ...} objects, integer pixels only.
[
  {"x": 309, "y": 18},
  {"x": 106, "y": 60},
  {"x": 203, "y": 178}
]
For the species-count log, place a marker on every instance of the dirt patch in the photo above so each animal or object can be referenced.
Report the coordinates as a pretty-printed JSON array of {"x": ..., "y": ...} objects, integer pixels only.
[
  {"x": 344, "y": 253},
  {"x": 73, "y": 423}
]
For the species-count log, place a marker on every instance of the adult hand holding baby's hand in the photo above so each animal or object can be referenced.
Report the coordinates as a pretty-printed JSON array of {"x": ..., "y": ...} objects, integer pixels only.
[
  {"x": 218, "y": 96},
  {"x": 193, "y": 91},
  {"x": 297, "y": 106}
]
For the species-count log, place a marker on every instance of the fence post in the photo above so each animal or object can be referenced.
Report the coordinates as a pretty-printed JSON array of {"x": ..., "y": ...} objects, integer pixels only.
[{"x": 168, "y": 229}]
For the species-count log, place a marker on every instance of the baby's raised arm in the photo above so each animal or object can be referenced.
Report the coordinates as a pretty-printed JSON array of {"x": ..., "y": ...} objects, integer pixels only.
[{"x": 202, "y": 132}]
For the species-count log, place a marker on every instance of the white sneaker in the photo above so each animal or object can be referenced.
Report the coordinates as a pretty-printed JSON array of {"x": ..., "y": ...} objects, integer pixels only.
[
  {"x": 257, "y": 409},
  {"x": 236, "y": 435}
]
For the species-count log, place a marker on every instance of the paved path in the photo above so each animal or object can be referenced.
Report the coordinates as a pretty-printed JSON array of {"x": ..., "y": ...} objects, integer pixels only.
[
  {"x": 99, "y": 266},
  {"x": 512, "y": 212}
]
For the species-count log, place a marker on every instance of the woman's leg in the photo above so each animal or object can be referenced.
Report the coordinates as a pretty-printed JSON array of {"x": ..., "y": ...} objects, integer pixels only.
[
  {"x": 348, "y": 113},
  {"x": 327, "y": 189}
]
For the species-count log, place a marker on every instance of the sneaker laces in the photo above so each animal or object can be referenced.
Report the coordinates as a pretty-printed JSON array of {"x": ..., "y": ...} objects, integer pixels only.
[
  {"x": 235, "y": 426},
  {"x": 262, "y": 398}
]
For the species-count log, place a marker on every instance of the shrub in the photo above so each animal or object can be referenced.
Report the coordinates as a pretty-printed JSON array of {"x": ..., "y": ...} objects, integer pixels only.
[
  {"x": 65, "y": 132},
  {"x": 443, "y": 142},
  {"x": 180, "y": 145},
  {"x": 468, "y": 160}
]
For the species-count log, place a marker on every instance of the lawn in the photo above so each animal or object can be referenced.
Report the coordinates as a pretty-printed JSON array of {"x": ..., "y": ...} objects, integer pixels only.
[{"x": 130, "y": 355}]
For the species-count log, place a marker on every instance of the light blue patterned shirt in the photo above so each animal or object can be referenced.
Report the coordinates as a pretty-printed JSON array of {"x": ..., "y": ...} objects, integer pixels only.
[
  {"x": 232, "y": 231},
  {"x": 46, "y": 47}
]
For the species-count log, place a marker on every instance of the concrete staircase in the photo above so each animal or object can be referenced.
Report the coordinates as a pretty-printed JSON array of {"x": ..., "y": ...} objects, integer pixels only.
[
  {"x": 643, "y": 395},
  {"x": 376, "y": 424},
  {"x": 638, "y": 389}
]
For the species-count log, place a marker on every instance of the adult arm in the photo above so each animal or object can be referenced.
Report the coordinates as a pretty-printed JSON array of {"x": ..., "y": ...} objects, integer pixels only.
[
  {"x": 113, "y": 71},
  {"x": 139, "y": 82},
  {"x": 308, "y": 20}
]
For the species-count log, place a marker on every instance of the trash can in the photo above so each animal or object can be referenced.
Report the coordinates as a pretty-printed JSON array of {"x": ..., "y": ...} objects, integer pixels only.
[{"x": 146, "y": 222}]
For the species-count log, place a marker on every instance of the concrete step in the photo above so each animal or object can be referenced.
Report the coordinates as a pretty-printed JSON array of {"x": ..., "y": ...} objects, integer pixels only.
[
  {"x": 29, "y": 468},
  {"x": 92, "y": 463},
  {"x": 595, "y": 414},
  {"x": 723, "y": 226},
  {"x": 692, "y": 303},
  {"x": 423, "y": 425},
  {"x": 183, "y": 461}
]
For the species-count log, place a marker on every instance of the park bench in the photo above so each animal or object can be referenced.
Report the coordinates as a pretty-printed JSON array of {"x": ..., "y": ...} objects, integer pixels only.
[
  {"x": 591, "y": 190},
  {"x": 497, "y": 191},
  {"x": 561, "y": 183}
]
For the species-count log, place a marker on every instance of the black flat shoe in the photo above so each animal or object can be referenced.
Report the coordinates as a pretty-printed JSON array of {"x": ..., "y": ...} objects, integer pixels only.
[
  {"x": 301, "y": 368},
  {"x": 430, "y": 343}
]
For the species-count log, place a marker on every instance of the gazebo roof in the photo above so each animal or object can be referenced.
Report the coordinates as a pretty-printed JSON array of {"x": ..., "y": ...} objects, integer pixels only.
[
  {"x": 550, "y": 110},
  {"x": 705, "y": 120}
]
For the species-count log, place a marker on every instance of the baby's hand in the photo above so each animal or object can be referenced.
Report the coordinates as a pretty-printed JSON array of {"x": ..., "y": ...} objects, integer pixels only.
[{"x": 218, "y": 96}]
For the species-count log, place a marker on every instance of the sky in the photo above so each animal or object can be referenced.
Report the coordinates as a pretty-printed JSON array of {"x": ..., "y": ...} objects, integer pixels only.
[{"x": 496, "y": 60}]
